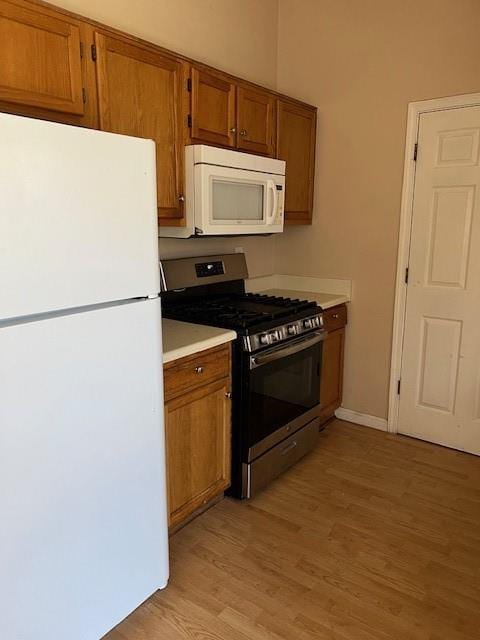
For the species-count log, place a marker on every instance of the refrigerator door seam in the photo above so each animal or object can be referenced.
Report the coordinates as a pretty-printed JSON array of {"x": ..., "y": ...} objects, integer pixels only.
[{"x": 38, "y": 317}]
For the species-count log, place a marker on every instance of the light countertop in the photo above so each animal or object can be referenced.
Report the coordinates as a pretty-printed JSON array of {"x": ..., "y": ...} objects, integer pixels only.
[
  {"x": 182, "y": 339},
  {"x": 325, "y": 300}
]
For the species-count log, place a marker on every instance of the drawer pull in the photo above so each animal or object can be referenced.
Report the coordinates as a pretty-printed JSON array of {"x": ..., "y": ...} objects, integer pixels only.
[
  {"x": 198, "y": 369},
  {"x": 289, "y": 448},
  {"x": 335, "y": 316}
]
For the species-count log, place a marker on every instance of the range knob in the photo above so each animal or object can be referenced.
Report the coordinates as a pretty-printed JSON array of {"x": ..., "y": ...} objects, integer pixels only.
[
  {"x": 274, "y": 336},
  {"x": 263, "y": 339},
  {"x": 291, "y": 330},
  {"x": 307, "y": 324}
]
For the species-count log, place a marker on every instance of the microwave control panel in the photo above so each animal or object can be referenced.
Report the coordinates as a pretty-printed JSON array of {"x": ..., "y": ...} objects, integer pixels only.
[{"x": 280, "y": 204}]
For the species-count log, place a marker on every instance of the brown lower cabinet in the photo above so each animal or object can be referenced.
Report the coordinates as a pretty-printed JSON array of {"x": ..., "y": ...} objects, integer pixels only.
[
  {"x": 331, "y": 385},
  {"x": 198, "y": 430}
]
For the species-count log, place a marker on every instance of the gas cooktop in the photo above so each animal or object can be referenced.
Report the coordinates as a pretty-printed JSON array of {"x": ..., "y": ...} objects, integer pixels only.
[
  {"x": 240, "y": 311},
  {"x": 194, "y": 292}
]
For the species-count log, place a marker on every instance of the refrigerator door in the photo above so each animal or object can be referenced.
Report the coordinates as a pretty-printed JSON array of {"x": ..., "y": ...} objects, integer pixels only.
[
  {"x": 83, "y": 535},
  {"x": 78, "y": 217}
]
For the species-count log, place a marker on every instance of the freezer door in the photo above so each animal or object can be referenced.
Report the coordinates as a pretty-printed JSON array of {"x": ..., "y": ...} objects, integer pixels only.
[
  {"x": 78, "y": 219},
  {"x": 83, "y": 535}
]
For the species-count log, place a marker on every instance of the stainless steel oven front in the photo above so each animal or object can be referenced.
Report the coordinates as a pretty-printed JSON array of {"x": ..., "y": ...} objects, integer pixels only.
[{"x": 280, "y": 406}]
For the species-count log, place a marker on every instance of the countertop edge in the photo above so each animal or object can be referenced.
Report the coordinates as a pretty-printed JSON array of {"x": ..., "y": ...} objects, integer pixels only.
[
  {"x": 335, "y": 302},
  {"x": 198, "y": 346}
]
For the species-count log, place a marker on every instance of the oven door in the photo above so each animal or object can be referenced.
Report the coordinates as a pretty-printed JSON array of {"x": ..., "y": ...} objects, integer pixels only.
[
  {"x": 237, "y": 201},
  {"x": 283, "y": 391}
]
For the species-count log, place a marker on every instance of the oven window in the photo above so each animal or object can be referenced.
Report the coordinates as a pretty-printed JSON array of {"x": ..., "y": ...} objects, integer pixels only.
[
  {"x": 232, "y": 201},
  {"x": 281, "y": 391}
]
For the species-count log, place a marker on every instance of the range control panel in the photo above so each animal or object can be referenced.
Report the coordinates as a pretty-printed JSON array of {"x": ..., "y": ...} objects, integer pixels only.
[
  {"x": 206, "y": 269},
  {"x": 283, "y": 333}
]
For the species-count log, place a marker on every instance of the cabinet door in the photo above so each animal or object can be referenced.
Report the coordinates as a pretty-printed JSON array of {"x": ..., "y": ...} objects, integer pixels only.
[
  {"x": 140, "y": 94},
  {"x": 296, "y": 130},
  {"x": 332, "y": 373},
  {"x": 41, "y": 69},
  {"x": 198, "y": 441},
  {"x": 212, "y": 109},
  {"x": 256, "y": 121}
]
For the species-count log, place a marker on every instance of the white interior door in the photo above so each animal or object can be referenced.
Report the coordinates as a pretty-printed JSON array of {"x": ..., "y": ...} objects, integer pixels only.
[{"x": 440, "y": 379}]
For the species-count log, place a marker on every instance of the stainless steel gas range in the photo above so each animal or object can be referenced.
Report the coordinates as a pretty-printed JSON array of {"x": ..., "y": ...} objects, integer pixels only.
[{"x": 277, "y": 360}]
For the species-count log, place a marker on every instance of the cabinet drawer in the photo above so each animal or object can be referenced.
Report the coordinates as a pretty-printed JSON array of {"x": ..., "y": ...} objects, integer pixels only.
[
  {"x": 335, "y": 318},
  {"x": 193, "y": 371}
]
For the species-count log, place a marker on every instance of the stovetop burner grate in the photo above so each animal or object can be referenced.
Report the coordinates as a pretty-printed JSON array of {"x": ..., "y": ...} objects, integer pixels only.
[
  {"x": 279, "y": 301},
  {"x": 237, "y": 311}
]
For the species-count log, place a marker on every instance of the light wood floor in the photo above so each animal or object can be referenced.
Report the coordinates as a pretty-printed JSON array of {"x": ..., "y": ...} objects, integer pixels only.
[{"x": 371, "y": 536}]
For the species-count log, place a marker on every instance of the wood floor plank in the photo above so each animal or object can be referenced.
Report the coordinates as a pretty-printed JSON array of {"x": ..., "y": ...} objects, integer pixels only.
[{"x": 370, "y": 537}]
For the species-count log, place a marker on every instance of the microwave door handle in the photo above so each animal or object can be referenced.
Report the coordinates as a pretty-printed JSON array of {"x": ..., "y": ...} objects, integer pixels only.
[{"x": 273, "y": 201}]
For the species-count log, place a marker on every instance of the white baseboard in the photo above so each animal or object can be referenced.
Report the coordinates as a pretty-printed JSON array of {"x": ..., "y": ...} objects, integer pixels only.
[{"x": 362, "y": 418}]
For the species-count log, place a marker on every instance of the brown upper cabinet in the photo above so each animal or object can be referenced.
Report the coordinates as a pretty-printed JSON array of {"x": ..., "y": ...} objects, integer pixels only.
[
  {"x": 230, "y": 114},
  {"x": 296, "y": 133},
  {"x": 255, "y": 121},
  {"x": 212, "y": 117},
  {"x": 140, "y": 94},
  {"x": 59, "y": 66},
  {"x": 42, "y": 70}
]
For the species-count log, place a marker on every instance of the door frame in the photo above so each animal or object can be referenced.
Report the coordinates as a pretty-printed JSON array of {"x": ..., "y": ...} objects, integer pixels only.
[{"x": 415, "y": 110}]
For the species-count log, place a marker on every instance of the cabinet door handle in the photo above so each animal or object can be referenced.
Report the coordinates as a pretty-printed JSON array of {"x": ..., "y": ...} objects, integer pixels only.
[
  {"x": 228, "y": 394},
  {"x": 243, "y": 132},
  {"x": 181, "y": 198},
  {"x": 233, "y": 130},
  {"x": 198, "y": 369}
]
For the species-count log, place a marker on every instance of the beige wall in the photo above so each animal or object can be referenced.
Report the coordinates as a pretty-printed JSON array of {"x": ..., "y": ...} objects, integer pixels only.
[
  {"x": 361, "y": 62},
  {"x": 238, "y": 36}
]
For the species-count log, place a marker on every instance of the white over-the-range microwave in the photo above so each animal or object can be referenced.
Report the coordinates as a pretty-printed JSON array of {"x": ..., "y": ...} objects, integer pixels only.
[{"x": 230, "y": 193}]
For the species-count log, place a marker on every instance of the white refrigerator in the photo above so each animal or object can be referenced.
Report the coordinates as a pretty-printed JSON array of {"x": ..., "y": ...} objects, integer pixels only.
[{"x": 83, "y": 518}]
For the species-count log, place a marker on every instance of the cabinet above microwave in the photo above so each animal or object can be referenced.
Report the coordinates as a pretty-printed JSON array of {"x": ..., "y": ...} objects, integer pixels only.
[{"x": 230, "y": 193}]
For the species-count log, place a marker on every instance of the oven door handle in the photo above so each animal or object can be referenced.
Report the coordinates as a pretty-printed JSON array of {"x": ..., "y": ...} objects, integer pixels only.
[{"x": 282, "y": 352}]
